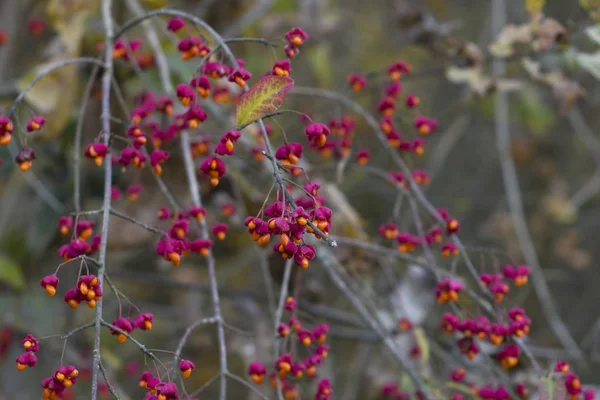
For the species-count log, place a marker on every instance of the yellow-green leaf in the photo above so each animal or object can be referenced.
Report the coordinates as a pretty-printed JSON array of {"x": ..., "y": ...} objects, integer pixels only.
[
  {"x": 11, "y": 274},
  {"x": 264, "y": 97},
  {"x": 112, "y": 360},
  {"x": 534, "y": 6},
  {"x": 422, "y": 343}
]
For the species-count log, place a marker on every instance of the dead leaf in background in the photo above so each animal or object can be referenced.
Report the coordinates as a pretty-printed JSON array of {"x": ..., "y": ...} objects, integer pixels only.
[
  {"x": 592, "y": 7},
  {"x": 473, "y": 53},
  {"x": 560, "y": 209},
  {"x": 54, "y": 94},
  {"x": 548, "y": 33},
  {"x": 521, "y": 151},
  {"x": 346, "y": 216},
  {"x": 480, "y": 83},
  {"x": 565, "y": 90},
  {"x": 508, "y": 38},
  {"x": 567, "y": 248}
]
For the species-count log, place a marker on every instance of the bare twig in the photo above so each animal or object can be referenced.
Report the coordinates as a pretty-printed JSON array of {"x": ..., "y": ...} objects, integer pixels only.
[
  {"x": 136, "y": 222},
  {"x": 591, "y": 142},
  {"x": 515, "y": 203},
  {"x": 76, "y": 330},
  {"x": 136, "y": 342},
  {"x": 247, "y": 384},
  {"x": 214, "y": 290},
  {"x": 106, "y": 83},
  {"x": 287, "y": 273},
  {"x": 111, "y": 389},
  {"x": 48, "y": 70},
  {"x": 249, "y": 17},
  {"x": 336, "y": 272},
  {"x": 188, "y": 332},
  {"x": 206, "y": 385},
  {"x": 77, "y": 145},
  {"x": 159, "y": 56},
  {"x": 37, "y": 185}
]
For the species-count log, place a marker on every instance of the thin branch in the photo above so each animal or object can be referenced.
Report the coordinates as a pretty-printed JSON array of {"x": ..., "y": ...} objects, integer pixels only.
[
  {"x": 77, "y": 145},
  {"x": 38, "y": 186},
  {"x": 587, "y": 192},
  {"x": 136, "y": 342},
  {"x": 212, "y": 276},
  {"x": 111, "y": 389},
  {"x": 106, "y": 83},
  {"x": 515, "y": 204},
  {"x": 247, "y": 384},
  {"x": 76, "y": 330},
  {"x": 188, "y": 332},
  {"x": 206, "y": 385},
  {"x": 135, "y": 221},
  {"x": 48, "y": 70},
  {"x": 287, "y": 273},
  {"x": 249, "y": 17},
  {"x": 335, "y": 271},
  {"x": 591, "y": 142},
  {"x": 159, "y": 55}
]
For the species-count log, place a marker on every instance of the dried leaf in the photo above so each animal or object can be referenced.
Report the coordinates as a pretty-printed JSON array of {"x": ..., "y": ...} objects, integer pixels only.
[
  {"x": 565, "y": 90},
  {"x": 511, "y": 35},
  {"x": 473, "y": 54},
  {"x": 479, "y": 83},
  {"x": 264, "y": 97},
  {"x": 548, "y": 33}
]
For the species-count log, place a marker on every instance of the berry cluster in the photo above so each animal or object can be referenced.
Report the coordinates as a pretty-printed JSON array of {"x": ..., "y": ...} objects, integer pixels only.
[
  {"x": 290, "y": 224},
  {"x": 63, "y": 378},
  {"x": 28, "y": 359},
  {"x": 290, "y": 372},
  {"x": 158, "y": 390}
]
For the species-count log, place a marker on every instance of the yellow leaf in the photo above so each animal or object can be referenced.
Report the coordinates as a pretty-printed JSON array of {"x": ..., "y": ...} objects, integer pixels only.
[
  {"x": 264, "y": 97},
  {"x": 534, "y": 6},
  {"x": 421, "y": 340},
  {"x": 155, "y": 3}
]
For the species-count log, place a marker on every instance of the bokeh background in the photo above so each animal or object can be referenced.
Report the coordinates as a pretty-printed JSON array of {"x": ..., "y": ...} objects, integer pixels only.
[{"x": 555, "y": 146}]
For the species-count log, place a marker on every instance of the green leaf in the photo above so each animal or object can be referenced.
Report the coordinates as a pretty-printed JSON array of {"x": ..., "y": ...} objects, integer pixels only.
[
  {"x": 11, "y": 274},
  {"x": 549, "y": 390},
  {"x": 422, "y": 343},
  {"x": 534, "y": 6},
  {"x": 264, "y": 97},
  {"x": 319, "y": 57},
  {"x": 534, "y": 112},
  {"x": 112, "y": 360}
]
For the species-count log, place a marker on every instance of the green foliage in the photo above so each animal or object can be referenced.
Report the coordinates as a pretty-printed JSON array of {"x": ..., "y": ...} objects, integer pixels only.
[
  {"x": 11, "y": 274},
  {"x": 534, "y": 112}
]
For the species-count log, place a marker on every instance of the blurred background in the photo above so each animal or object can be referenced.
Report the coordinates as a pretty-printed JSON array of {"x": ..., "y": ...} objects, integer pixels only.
[{"x": 553, "y": 94}]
